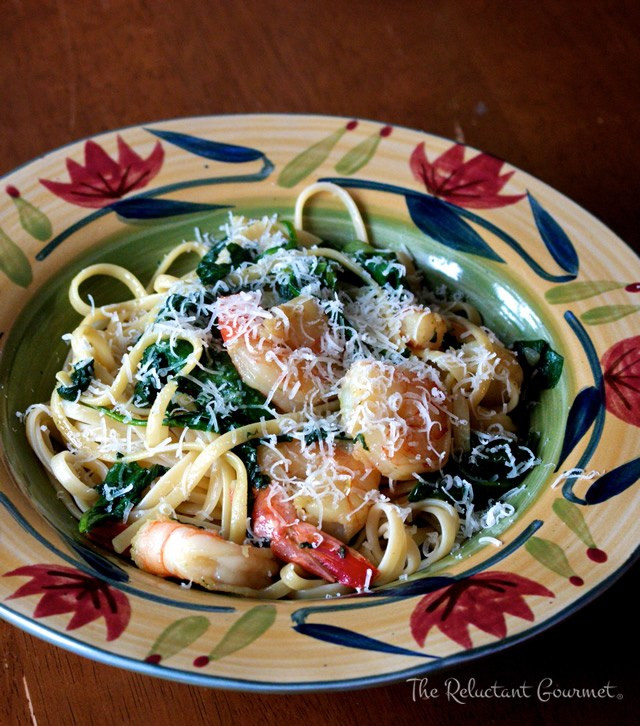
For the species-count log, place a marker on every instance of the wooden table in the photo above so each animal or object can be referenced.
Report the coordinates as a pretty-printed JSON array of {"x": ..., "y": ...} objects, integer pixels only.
[{"x": 550, "y": 86}]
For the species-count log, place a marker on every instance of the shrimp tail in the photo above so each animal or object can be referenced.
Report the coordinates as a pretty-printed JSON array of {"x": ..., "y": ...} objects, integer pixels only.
[
  {"x": 306, "y": 545},
  {"x": 148, "y": 547},
  {"x": 173, "y": 549}
]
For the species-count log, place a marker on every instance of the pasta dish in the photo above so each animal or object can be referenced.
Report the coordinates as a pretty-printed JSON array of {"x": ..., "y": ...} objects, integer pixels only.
[{"x": 292, "y": 418}]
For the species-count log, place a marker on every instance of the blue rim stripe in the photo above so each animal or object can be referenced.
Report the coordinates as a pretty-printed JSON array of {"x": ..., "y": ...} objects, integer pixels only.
[{"x": 594, "y": 363}]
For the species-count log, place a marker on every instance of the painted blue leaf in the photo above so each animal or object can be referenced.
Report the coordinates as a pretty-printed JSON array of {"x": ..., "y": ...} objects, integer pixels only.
[
  {"x": 439, "y": 221},
  {"x": 141, "y": 208},
  {"x": 582, "y": 414},
  {"x": 100, "y": 564},
  {"x": 416, "y": 587},
  {"x": 555, "y": 238},
  {"x": 349, "y": 639},
  {"x": 613, "y": 482},
  {"x": 229, "y": 153}
]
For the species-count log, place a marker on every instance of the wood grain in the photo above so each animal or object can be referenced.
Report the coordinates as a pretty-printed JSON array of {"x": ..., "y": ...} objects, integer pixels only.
[{"x": 550, "y": 86}]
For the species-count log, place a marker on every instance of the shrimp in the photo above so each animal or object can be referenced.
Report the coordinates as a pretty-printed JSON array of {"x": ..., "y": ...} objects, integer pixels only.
[
  {"x": 400, "y": 414},
  {"x": 278, "y": 351},
  {"x": 332, "y": 485},
  {"x": 172, "y": 549},
  {"x": 275, "y": 519},
  {"x": 422, "y": 329}
]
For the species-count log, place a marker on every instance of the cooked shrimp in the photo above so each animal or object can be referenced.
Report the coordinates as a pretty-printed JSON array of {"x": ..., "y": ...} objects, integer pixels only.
[
  {"x": 422, "y": 328},
  {"x": 332, "y": 485},
  {"x": 401, "y": 415},
  {"x": 278, "y": 351},
  {"x": 275, "y": 519},
  {"x": 172, "y": 549}
]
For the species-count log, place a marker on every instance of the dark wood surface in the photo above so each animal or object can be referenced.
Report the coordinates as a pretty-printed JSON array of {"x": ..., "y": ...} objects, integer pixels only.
[{"x": 551, "y": 86}]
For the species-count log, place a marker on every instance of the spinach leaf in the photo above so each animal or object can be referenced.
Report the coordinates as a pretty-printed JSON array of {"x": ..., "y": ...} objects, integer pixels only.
[
  {"x": 81, "y": 376},
  {"x": 212, "y": 272},
  {"x": 490, "y": 468},
  {"x": 425, "y": 489},
  {"x": 290, "y": 245},
  {"x": 248, "y": 453},
  {"x": 123, "y": 486},
  {"x": 360, "y": 438},
  {"x": 542, "y": 368},
  {"x": 382, "y": 265},
  {"x": 118, "y": 416},
  {"x": 207, "y": 267},
  {"x": 186, "y": 306},
  {"x": 497, "y": 460},
  {"x": 221, "y": 400},
  {"x": 541, "y": 365},
  {"x": 327, "y": 272},
  {"x": 205, "y": 389},
  {"x": 160, "y": 361},
  {"x": 292, "y": 235},
  {"x": 209, "y": 271},
  {"x": 288, "y": 286}
]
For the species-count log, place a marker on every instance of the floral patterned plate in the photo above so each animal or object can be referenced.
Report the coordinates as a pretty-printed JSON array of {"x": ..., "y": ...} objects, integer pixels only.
[{"x": 533, "y": 262}]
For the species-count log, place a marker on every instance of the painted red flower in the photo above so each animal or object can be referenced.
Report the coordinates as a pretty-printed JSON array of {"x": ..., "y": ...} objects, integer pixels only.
[
  {"x": 102, "y": 179},
  {"x": 621, "y": 368},
  {"x": 67, "y": 590},
  {"x": 475, "y": 183},
  {"x": 481, "y": 600}
]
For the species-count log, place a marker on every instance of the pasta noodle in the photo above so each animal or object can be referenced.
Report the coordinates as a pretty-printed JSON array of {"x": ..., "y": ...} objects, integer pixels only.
[{"x": 292, "y": 418}]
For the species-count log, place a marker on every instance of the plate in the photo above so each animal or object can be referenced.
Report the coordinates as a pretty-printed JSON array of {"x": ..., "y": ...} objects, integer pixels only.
[{"x": 536, "y": 265}]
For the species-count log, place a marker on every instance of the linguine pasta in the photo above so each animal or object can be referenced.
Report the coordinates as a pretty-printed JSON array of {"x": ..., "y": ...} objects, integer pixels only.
[{"x": 292, "y": 418}]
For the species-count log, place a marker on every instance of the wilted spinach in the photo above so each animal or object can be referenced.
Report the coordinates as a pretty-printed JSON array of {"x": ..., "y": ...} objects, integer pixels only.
[
  {"x": 159, "y": 362},
  {"x": 383, "y": 265},
  {"x": 218, "y": 379},
  {"x": 248, "y": 453},
  {"x": 81, "y": 376},
  {"x": 122, "y": 488},
  {"x": 491, "y": 468},
  {"x": 186, "y": 306},
  {"x": 209, "y": 271},
  {"x": 541, "y": 365},
  {"x": 326, "y": 272}
]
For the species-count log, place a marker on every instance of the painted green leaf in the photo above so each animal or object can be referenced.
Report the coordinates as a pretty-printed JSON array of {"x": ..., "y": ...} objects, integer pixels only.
[
  {"x": 179, "y": 635},
  {"x": 573, "y": 291},
  {"x": 33, "y": 221},
  {"x": 307, "y": 161},
  {"x": 244, "y": 631},
  {"x": 571, "y": 515},
  {"x": 14, "y": 262},
  {"x": 550, "y": 555},
  {"x": 360, "y": 155},
  {"x": 607, "y": 314}
]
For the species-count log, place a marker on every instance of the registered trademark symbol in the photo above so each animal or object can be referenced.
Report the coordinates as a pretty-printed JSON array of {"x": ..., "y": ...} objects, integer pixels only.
[{"x": 619, "y": 696}]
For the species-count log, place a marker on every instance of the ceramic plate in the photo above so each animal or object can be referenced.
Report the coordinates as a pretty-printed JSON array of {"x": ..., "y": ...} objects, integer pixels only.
[{"x": 532, "y": 261}]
